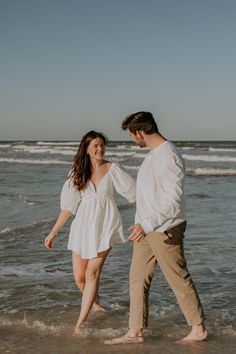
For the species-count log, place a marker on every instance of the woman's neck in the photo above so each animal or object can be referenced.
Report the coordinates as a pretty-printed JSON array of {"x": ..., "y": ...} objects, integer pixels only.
[{"x": 95, "y": 164}]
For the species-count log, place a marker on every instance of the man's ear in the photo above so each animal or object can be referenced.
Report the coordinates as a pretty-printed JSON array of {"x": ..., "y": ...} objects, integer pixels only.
[{"x": 139, "y": 134}]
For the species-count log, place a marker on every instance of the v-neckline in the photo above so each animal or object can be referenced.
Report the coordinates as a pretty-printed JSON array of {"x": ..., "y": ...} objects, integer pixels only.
[{"x": 95, "y": 186}]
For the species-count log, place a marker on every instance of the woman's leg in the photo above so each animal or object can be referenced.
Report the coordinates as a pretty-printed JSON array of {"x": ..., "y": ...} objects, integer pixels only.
[
  {"x": 90, "y": 290},
  {"x": 79, "y": 266}
]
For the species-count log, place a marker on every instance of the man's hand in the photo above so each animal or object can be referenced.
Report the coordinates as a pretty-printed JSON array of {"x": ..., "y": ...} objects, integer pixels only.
[{"x": 138, "y": 233}]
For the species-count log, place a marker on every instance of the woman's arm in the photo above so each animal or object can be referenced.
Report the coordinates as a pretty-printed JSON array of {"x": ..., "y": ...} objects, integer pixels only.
[
  {"x": 61, "y": 220},
  {"x": 69, "y": 201},
  {"x": 124, "y": 184}
]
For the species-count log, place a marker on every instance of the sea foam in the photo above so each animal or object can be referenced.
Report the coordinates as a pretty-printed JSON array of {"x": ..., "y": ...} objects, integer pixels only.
[{"x": 209, "y": 158}]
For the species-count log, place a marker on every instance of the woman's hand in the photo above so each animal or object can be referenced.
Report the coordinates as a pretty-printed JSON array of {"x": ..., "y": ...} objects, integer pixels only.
[{"x": 48, "y": 242}]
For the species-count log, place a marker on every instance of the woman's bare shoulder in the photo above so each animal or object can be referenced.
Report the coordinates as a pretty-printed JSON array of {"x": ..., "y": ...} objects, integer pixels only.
[{"x": 107, "y": 163}]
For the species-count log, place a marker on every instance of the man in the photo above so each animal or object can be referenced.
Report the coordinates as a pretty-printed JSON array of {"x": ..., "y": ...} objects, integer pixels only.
[{"x": 158, "y": 232}]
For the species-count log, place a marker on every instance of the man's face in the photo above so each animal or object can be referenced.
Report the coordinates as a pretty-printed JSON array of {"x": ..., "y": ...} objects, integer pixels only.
[{"x": 138, "y": 138}]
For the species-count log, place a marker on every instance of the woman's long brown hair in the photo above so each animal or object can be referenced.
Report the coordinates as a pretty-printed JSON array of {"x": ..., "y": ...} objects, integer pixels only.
[{"x": 81, "y": 169}]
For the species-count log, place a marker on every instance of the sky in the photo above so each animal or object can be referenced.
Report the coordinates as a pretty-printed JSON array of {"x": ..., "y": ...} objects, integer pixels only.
[{"x": 69, "y": 66}]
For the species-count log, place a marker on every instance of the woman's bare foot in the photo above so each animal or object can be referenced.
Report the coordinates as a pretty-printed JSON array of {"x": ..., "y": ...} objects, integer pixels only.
[
  {"x": 198, "y": 333},
  {"x": 80, "y": 329},
  {"x": 98, "y": 307}
]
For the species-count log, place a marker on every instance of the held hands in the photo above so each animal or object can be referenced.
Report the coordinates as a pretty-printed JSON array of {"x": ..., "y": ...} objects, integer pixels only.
[
  {"x": 48, "y": 242},
  {"x": 138, "y": 233}
]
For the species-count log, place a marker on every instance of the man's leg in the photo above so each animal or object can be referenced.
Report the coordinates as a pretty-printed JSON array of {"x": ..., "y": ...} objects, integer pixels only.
[
  {"x": 141, "y": 273},
  {"x": 170, "y": 256}
]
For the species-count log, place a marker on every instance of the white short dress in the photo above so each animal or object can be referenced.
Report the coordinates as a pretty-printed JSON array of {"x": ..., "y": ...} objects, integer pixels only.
[{"x": 97, "y": 224}]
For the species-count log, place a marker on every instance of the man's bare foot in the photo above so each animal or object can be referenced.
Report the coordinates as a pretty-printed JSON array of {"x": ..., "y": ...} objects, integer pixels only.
[
  {"x": 197, "y": 334},
  {"x": 125, "y": 340},
  {"x": 133, "y": 336}
]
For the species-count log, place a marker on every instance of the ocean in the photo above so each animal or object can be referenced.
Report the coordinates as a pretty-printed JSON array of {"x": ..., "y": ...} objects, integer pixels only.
[{"x": 39, "y": 301}]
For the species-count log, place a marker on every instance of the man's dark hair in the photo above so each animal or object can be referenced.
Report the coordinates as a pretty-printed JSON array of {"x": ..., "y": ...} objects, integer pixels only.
[{"x": 140, "y": 121}]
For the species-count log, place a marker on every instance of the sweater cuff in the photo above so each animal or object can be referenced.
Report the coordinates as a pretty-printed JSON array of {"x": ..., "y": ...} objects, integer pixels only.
[{"x": 147, "y": 225}]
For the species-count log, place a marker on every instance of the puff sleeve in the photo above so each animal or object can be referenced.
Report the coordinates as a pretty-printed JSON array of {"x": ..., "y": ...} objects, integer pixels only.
[
  {"x": 70, "y": 197},
  {"x": 124, "y": 184}
]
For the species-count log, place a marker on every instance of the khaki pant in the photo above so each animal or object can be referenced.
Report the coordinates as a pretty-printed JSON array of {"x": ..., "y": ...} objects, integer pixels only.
[{"x": 166, "y": 249}]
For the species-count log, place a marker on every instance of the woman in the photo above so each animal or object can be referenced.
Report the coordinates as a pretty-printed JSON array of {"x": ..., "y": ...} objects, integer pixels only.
[{"x": 88, "y": 194}]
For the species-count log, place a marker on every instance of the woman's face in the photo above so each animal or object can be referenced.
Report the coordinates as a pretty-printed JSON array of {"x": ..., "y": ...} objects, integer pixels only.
[{"x": 96, "y": 149}]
